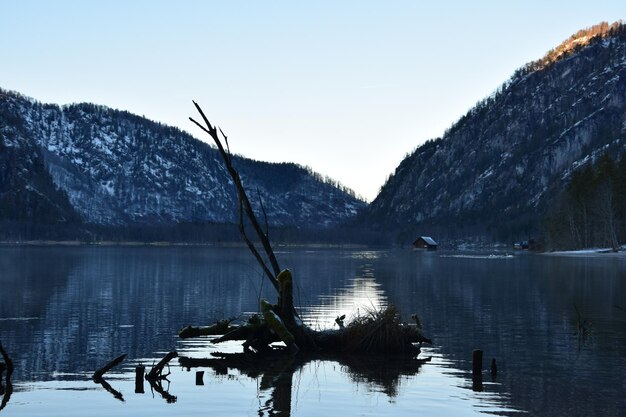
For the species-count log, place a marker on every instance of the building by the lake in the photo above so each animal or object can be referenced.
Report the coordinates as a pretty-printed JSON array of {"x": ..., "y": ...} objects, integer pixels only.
[{"x": 425, "y": 242}]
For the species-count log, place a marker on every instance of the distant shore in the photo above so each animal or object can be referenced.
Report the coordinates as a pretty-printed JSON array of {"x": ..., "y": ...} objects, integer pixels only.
[
  {"x": 72, "y": 243},
  {"x": 590, "y": 253}
]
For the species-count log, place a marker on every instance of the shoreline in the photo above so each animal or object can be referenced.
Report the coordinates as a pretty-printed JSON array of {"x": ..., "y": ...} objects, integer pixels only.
[
  {"x": 589, "y": 253},
  {"x": 164, "y": 244}
]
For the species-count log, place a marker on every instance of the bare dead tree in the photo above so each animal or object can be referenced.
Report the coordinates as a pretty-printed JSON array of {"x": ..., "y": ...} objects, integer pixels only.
[
  {"x": 380, "y": 332},
  {"x": 244, "y": 203}
]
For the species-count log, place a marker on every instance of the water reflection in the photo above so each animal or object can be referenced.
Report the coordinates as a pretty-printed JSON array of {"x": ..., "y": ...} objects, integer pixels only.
[
  {"x": 65, "y": 311},
  {"x": 276, "y": 373},
  {"x": 360, "y": 295}
]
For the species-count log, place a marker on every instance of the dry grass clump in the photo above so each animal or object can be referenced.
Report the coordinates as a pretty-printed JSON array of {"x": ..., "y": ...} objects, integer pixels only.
[{"x": 381, "y": 331}]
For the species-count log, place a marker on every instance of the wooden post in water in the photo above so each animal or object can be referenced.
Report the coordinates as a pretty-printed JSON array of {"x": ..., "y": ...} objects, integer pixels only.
[
  {"x": 199, "y": 376},
  {"x": 477, "y": 362},
  {"x": 139, "y": 376},
  {"x": 494, "y": 369},
  {"x": 477, "y": 370}
]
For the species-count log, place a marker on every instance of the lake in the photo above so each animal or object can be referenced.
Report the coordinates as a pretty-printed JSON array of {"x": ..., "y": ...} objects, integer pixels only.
[{"x": 555, "y": 325}]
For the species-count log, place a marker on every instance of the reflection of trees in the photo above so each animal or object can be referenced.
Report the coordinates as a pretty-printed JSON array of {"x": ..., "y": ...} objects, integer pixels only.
[
  {"x": 33, "y": 275},
  {"x": 276, "y": 372}
]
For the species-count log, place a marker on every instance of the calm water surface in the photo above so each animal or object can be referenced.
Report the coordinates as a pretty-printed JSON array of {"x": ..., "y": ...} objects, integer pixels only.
[{"x": 557, "y": 327}]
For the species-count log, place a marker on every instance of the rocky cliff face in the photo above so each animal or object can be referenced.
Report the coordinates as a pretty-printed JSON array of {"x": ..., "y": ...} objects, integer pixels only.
[
  {"x": 110, "y": 167},
  {"x": 495, "y": 169}
]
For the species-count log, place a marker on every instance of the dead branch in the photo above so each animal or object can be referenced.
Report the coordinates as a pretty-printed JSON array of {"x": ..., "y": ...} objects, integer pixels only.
[
  {"x": 243, "y": 198},
  {"x": 155, "y": 377},
  {"x": 218, "y": 328},
  {"x": 252, "y": 248},
  {"x": 156, "y": 372},
  {"x": 265, "y": 222},
  {"x": 97, "y": 376}
]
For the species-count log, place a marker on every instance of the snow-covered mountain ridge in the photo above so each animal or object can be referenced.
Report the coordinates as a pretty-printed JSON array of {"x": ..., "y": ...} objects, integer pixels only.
[
  {"x": 498, "y": 166},
  {"x": 113, "y": 168}
]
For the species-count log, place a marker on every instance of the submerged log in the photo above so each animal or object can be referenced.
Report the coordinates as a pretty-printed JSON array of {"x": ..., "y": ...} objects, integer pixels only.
[
  {"x": 218, "y": 328},
  {"x": 243, "y": 332},
  {"x": 375, "y": 333}
]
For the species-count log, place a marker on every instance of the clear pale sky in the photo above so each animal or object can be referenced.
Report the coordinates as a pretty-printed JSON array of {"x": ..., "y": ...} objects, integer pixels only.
[{"x": 346, "y": 87}]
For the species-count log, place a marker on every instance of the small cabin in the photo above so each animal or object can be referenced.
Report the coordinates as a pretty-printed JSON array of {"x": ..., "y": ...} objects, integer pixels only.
[{"x": 425, "y": 242}]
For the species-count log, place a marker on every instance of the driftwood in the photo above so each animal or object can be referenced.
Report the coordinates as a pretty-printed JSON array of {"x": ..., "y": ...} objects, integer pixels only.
[
  {"x": 98, "y": 377},
  {"x": 7, "y": 390},
  {"x": 220, "y": 327},
  {"x": 382, "y": 332},
  {"x": 106, "y": 368},
  {"x": 156, "y": 372},
  {"x": 156, "y": 377}
]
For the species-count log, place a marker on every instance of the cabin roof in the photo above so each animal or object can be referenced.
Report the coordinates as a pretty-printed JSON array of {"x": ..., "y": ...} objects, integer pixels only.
[{"x": 429, "y": 240}]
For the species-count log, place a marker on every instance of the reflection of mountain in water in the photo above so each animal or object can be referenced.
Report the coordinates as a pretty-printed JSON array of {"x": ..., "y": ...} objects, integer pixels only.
[
  {"x": 111, "y": 300},
  {"x": 28, "y": 278},
  {"x": 96, "y": 303},
  {"x": 522, "y": 312}
]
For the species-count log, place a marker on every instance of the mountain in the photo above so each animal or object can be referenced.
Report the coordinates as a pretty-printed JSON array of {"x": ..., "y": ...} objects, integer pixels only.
[
  {"x": 98, "y": 166},
  {"x": 494, "y": 172}
]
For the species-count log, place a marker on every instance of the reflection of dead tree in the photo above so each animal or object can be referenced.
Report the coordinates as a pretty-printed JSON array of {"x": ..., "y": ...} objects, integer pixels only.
[
  {"x": 98, "y": 377},
  {"x": 382, "y": 332},
  {"x": 7, "y": 390},
  {"x": 276, "y": 371}
]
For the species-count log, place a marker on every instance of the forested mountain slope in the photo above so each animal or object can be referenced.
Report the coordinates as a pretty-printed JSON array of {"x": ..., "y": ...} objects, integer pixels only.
[
  {"x": 495, "y": 170},
  {"x": 98, "y": 166}
]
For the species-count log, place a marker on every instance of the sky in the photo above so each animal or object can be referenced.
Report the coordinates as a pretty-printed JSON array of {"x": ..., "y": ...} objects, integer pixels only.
[{"x": 348, "y": 88}]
